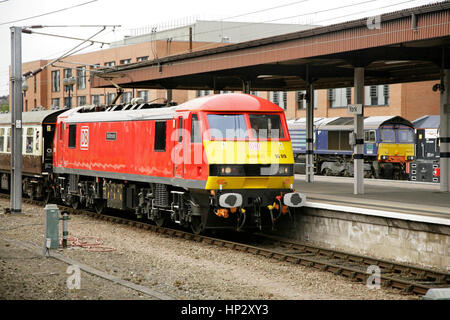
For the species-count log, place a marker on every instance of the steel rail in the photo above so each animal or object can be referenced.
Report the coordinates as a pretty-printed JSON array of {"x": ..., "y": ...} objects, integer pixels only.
[{"x": 409, "y": 279}]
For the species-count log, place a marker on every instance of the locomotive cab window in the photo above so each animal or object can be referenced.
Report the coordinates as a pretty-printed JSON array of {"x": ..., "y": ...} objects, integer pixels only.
[
  {"x": 369, "y": 136},
  {"x": 61, "y": 130},
  {"x": 196, "y": 135},
  {"x": 180, "y": 129},
  {"x": 266, "y": 126},
  {"x": 387, "y": 135},
  {"x": 227, "y": 126},
  {"x": 405, "y": 135},
  {"x": 72, "y": 135},
  {"x": 160, "y": 136}
]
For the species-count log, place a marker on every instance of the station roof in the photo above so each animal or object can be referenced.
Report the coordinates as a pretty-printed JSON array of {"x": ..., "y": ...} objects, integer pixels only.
[
  {"x": 405, "y": 46},
  {"x": 427, "y": 122}
]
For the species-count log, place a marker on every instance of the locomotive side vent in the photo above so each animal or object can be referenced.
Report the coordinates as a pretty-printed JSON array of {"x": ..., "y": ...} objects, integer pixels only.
[{"x": 161, "y": 195}]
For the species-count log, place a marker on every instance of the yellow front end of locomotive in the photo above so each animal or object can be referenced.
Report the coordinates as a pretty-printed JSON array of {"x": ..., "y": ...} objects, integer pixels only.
[
  {"x": 249, "y": 164},
  {"x": 395, "y": 152}
]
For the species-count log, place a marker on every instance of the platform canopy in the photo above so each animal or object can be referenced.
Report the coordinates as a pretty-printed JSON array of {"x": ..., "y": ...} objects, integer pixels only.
[{"x": 403, "y": 46}]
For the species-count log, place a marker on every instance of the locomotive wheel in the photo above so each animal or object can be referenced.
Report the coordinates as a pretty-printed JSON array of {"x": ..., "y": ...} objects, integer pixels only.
[
  {"x": 47, "y": 196},
  {"x": 99, "y": 206},
  {"x": 160, "y": 222},
  {"x": 75, "y": 202},
  {"x": 197, "y": 225}
]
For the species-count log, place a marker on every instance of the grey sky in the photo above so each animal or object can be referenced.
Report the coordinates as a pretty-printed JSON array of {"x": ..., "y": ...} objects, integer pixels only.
[{"x": 138, "y": 13}]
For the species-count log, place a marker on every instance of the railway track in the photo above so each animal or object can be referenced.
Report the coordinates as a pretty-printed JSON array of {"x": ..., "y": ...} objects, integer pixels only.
[{"x": 409, "y": 279}]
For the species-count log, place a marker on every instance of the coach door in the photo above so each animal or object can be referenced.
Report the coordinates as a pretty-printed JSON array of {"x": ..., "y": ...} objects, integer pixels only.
[{"x": 178, "y": 158}]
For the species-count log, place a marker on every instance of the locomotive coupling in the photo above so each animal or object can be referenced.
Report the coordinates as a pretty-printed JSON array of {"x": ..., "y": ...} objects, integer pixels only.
[
  {"x": 294, "y": 199},
  {"x": 230, "y": 200}
]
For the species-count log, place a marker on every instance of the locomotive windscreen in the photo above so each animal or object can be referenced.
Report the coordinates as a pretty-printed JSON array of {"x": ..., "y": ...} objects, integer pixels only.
[
  {"x": 227, "y": 126},
  {"x": 266, "y": 126}
]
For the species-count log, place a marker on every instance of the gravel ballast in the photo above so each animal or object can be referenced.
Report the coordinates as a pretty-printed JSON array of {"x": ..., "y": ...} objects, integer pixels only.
[{"x": 183, "y": 269}]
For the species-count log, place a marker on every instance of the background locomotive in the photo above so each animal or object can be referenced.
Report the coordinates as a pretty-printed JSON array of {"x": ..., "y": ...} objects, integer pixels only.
[
  {"x": 426, "y": 166},
  {"x": 388, "y": 145},
  {"x": 221, "y": 161}
]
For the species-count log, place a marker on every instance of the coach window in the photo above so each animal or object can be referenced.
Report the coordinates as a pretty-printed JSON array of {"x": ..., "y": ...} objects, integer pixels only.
[
  {"x": 8, "y": 141},
  {"x": 29, "y": 140},
  {"x": 160, "y": 136},
  {"x": 72, "y": 135},
  {"x": 196, "y": 135},
  {"x": 37, "y": 141},
  {"x": 2, "y": 139}
]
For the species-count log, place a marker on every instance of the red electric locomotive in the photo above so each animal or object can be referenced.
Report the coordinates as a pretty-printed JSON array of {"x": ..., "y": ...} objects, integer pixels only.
[{"x": 221, "y": 161}]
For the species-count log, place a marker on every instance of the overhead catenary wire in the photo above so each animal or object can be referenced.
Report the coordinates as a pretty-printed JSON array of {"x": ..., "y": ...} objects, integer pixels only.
[
  {"x": 66, "y": 54},
  {"x": 48, "y": 13},
  {"x": 211, "y": 45}
]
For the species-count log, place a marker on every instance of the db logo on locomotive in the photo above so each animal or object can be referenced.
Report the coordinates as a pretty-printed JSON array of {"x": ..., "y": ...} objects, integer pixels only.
[{"x": 84, "y": 139}]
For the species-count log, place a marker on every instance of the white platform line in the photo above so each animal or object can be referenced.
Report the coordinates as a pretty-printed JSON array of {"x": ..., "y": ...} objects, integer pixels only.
[{"x": 379, "y": 213}]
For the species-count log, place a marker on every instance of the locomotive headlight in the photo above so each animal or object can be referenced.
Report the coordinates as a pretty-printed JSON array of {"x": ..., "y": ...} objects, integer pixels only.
[
  {"x": 410, "y": 158},
  {"x": 226, "y": 170},
  {"x": 285, "y": 169}
]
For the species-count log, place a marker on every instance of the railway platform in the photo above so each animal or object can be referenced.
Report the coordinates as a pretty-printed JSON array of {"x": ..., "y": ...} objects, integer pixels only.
[
  {"x": 403, "y": 197},
  {"x": 400, "y": 221}
]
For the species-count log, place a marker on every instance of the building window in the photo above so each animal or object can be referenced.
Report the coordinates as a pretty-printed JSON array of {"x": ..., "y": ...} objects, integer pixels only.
[
  {"x": 72, "y": 135},
  {"x": 348, "y": 95},
  {"x": 68, "y": 74},
  {"x": 35, "y": 83},
  {"x": 125, "y": 61},
  {"x": 386, "y": 94},
  {"x": 254, "y": 93},
  {"x": 142, "y": 58},
  {"x": 201, "y": 93},
  {"x": 126, "y": 97},
  {"x": 110, "y": 98},
  {"x": 144, "y": 95},
  {"x": 68, "y": 102},
  {"x": 160, "y": 136},
  {"x": 95, "y": 99},
  {"x": 373, "y": 95},
  {"x": 55, "y": 81},
  {"x": 331, "y": 97},
  {"x": 110, "y": 64},
  {"x": 279, "y": 98},
  {"x": 81, "y": 78},
  {"x": 55, "y": 102},
  {"x": 300, "y": 98},
  {"x": 81, "y": 101},
  {"x": 340, "y": 97}
]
